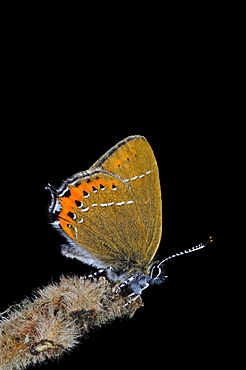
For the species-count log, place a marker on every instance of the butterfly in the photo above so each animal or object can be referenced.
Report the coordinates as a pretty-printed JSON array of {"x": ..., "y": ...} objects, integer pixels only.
[{"x": 111, "y": 215}]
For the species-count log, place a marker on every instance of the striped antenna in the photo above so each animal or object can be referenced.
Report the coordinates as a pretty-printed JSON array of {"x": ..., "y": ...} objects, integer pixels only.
[{"x": 207, "y": 242}]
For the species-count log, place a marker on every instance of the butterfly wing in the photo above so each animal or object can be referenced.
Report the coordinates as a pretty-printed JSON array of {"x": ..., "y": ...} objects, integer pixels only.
[
  {"x": 133, "y": 160},
  {"x": 111, "y": 214}
]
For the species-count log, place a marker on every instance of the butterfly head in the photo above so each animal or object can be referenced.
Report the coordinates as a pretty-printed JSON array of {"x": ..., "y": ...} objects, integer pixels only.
[
  {"x": 138, "y": 278},
  {"x": 154, "y": 274}
]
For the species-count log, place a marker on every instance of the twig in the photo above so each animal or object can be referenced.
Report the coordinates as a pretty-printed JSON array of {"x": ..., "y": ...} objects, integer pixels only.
[{"x": 58, "y": 316}]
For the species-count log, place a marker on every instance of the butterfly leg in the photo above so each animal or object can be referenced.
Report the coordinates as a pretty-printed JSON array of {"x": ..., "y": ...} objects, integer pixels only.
[
  {"x": 131, "y": 300},
  {"x": 120, "y": 287},
  {"x": 95, "y": 274},
  {"x": 125, "y": 283},
  {"x": 136, "y": 294}
]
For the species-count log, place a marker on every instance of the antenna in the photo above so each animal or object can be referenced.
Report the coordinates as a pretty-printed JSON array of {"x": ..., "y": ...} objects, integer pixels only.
[
  {"x": 207, "y": 242},
  {"x": 51, "y": 188}
]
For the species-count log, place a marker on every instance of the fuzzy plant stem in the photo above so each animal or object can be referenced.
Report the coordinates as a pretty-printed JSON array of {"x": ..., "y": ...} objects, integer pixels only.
[{"x": 59, "y": 315}]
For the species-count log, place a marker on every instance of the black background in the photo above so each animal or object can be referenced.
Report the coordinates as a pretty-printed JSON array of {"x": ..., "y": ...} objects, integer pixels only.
[{"x": 63, "y": 111}]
